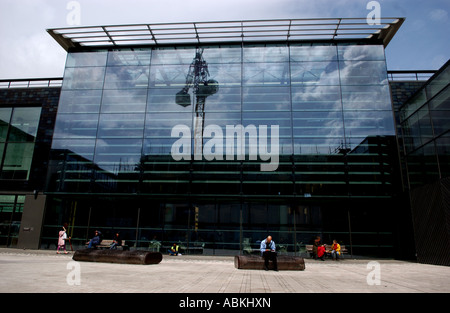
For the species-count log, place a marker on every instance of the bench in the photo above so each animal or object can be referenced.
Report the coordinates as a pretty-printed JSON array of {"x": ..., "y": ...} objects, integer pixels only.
[
  {"x": 106, "y": 244},
  {"x": 118, "y": 256},
  {"x": 309, "y": 249},
  {"x": 284, "y": 262}
]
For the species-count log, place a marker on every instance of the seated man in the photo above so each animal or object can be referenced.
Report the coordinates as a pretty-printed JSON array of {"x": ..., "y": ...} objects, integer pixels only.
[
  {"x": 117, "y": 241},
  {"x": 268, "y": 252},
  {"x": 95, "y": 240}
]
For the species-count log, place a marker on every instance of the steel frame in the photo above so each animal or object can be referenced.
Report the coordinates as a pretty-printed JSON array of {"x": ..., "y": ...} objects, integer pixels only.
[{"x": 226, "y": 31}]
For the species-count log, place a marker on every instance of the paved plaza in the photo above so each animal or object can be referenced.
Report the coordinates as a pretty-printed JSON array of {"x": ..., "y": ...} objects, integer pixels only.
[{"x": 42, "y": 271}]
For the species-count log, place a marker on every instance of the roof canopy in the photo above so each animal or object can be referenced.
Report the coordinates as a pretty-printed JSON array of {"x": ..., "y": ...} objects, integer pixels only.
[{"x": 226, "y": 32}]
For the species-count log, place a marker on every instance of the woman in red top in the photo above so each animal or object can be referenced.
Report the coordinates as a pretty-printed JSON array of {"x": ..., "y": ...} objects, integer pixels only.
[{"x": 321, "y": 252}]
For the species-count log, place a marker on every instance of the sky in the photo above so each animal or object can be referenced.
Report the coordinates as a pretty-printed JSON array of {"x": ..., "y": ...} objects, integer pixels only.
[{"x": 28, "y": 51}]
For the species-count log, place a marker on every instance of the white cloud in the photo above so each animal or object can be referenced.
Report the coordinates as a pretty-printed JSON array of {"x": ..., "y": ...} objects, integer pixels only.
[{"x": 438, "y": 15}]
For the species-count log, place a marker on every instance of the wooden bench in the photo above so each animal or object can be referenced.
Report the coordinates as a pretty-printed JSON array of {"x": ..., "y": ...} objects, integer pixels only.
[
  {"x": 118, "y": 256},
  {"x": 309, "y": 249},
  {"x": 284, "y": 262},
  {"x": 106, "y": 244}
]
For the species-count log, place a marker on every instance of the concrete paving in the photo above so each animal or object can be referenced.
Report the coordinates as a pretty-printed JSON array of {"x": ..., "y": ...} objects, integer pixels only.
[{"x": 43, "y": 271}]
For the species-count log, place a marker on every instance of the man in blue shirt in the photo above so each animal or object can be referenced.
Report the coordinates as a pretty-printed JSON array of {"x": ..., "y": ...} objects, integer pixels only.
[{"x": 268, "y": 252}]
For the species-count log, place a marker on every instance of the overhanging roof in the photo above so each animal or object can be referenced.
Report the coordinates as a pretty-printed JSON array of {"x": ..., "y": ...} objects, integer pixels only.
[{"x": 226, "y": 32}]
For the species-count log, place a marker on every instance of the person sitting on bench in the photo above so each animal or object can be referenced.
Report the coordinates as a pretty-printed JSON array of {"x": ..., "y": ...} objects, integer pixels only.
[
  {"x": 336, "y": 251},
  {"x": 268, "y": 252},
  {"x": 95, "y": 240},
  {"x": 174, "y": 250},
  {"x": 117, "y": 242}
]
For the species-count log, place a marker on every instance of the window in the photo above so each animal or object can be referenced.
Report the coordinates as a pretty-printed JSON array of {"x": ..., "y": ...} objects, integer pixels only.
[{"x": 18, "y": 129}]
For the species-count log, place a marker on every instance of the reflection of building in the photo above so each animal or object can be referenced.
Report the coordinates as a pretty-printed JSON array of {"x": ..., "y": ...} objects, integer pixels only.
[{"x": 339, "y": 173}]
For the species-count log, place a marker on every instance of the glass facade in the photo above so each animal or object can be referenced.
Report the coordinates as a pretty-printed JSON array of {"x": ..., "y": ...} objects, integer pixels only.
[
  {"x": 326, "y": 105},
  {"x": 425, "y": 124}
]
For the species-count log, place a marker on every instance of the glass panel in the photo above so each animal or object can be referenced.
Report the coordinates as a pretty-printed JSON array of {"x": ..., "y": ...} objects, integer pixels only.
[
  {"x": 5, "y": 117},
  {"x": 316, "y": 98},
  {"x": 226, "y": 75},
  {"x": 24, "y": 124},
  {"x": 80, "y": 101},
  {"x": 134, "y": 57},
  {"x": 366, "y": 123},
  {"x": 258, "y": 119},
  {"x": 124, "y": 101},
  {"x": 266, "y": 99},
  {"x": 118, "y": 155},
  {"x": 267, "y": 53},
  {"x": 121, "y": 126},
  {"x": 312, "y": 146},
  {"x": 163, "y": 100},
  {"x": 438, "y": 83},
  {"x": 440, "y": 112},
  {"x": 314, "y": 73},
  {"x": 417, "y": 129},
  {"x": 223, "y": 119},
  {"x": 84, "y": 78},
  {"x": 166, "y": 56},
  {"x": 283, "y": 120},
  {"x": 168, "y": 76},
  {"x": 307, "y": 53},
  {"x": 418, "y": 100},
  {"x": 79, "y": 59},
  {"x": 17, "y": 162},
  {"x": 161, "y": 124},
  {"x": 79, "y": 148},
  {"x": 366, "y": 98},
  {"x": 361, "y": 52},
  {"x": 363, "y": 73},
  {"x": 226, "y": 99},
  {"x": 158, "y": 130},
  {"x": 266, "y": 74},
  {"x": 122, "y": 77},
  {"x": 318, "y": 124},
  {"x": 222, "y": 54},
  {"x": 76, "y": 126}
]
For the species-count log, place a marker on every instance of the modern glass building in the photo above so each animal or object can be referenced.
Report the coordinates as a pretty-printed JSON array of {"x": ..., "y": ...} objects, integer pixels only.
[{"x": 215, "y": 135}]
